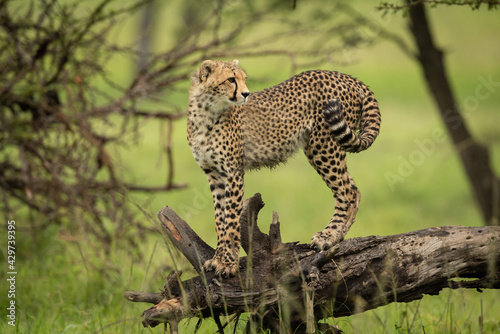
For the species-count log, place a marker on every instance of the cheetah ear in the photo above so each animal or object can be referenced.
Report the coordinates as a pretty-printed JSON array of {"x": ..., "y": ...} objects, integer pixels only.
[
  {"x": 235, "y": 62},
  {"x": 205, "y": 69}
]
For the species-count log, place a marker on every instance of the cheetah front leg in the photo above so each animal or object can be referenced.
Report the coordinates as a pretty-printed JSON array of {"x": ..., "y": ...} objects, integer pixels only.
[
  {"x": 227, "y": 193},
  {"x": 217, "y": 187}
]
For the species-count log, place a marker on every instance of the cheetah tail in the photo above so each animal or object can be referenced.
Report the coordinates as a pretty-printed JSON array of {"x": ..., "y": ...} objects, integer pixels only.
[{"x": 368, "y": 127}]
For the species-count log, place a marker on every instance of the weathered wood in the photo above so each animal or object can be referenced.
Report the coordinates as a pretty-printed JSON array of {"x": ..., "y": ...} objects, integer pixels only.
[
  {"x": 252, "y": 239},
  {"x": 185, "y": 239},
  {"x": 356, "y": 275},
  {"x": 172, "y": 284},
  {"x": 275, "y": 235},
  {"x": 143, "y": 297}
]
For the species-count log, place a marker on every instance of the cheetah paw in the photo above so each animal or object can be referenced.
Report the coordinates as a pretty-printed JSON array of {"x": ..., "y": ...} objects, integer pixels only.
[
  {"x": 224, "y": 269},
  {"x": 320, "y": 241}
]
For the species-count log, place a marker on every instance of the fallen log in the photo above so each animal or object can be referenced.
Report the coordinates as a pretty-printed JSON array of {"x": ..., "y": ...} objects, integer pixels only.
[{"x": 286, "y": 287}]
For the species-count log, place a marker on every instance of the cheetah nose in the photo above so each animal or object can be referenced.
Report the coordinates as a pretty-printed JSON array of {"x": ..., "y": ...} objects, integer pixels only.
[{"x": 245, "y": 94}]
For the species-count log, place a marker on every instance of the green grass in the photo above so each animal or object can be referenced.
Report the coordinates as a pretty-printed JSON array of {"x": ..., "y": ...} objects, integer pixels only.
[{"x": 63, "y": 288}]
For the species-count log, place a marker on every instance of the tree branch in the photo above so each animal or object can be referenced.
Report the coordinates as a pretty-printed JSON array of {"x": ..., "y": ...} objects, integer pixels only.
[
  {"x": 474, "y": 4},
  {"x": 375, "y": 270},
  {"x": 475, "y": 157}
]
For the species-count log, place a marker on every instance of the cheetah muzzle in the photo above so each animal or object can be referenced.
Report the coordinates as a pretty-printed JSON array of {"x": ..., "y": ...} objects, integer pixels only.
[{"x": 325, "y": 113}]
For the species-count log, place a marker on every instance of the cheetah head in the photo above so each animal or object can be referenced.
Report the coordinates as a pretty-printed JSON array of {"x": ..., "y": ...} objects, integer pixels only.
[{"x": 223, "y": 81}]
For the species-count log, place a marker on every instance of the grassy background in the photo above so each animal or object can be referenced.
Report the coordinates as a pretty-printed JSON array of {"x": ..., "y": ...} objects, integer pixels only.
[{"x": 60, "y": 288}]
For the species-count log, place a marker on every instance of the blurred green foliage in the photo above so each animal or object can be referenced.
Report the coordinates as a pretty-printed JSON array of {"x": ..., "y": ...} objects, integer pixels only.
[{"x": 63, "y": 286}]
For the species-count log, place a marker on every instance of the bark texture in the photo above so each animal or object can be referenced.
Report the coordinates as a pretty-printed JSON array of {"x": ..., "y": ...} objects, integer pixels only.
[{"x": 287, "y": 287}]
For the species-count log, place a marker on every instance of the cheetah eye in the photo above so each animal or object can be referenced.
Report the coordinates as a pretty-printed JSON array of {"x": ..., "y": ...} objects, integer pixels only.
[{"x": 231, "y": 80}]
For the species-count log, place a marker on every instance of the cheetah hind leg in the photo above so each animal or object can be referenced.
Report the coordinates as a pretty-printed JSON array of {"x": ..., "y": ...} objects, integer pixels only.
[{"x": 336, "y": 230}]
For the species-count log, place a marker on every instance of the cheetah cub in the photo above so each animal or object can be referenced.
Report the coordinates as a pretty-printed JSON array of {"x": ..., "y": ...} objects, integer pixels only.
[{"x": 231, "y": 130}]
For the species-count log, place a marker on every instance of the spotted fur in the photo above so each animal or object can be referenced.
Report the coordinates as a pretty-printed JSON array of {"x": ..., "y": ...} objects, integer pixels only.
[{"x": 230, "y": 131}]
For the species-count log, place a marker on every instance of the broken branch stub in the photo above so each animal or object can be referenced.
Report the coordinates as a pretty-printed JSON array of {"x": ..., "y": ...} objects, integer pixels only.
[{"x": 185, "y": 239}]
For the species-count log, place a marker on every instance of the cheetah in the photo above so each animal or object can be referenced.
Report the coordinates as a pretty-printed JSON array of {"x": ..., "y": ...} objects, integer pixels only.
[{"x": 231, "y": 130}]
